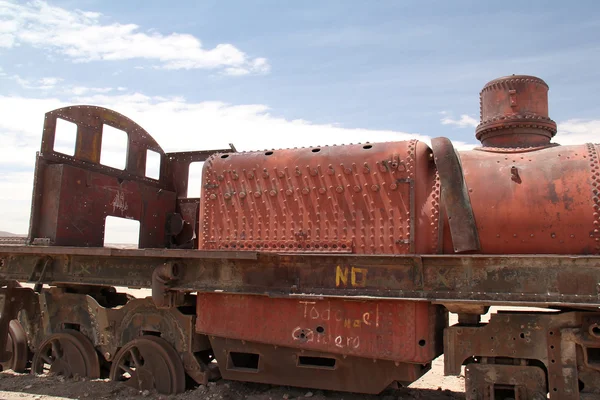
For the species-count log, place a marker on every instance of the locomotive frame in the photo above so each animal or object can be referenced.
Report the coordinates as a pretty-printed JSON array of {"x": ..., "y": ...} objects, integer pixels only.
[{"x": 331, "y": 319}]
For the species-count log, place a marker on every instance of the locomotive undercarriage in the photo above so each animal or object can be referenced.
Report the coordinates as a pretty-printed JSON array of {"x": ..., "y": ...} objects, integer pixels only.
[{"x": 102, "y": 333}]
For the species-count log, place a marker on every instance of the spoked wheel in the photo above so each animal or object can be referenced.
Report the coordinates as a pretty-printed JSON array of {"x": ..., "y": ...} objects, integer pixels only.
[
  {"x": 67, "y": 353},
  {"x": 16, "y": 343},
  {"x": 149, "y": 363}
]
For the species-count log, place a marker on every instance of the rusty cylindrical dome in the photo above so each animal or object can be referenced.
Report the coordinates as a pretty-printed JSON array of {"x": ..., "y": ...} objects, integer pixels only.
[{"x": 514, "y": 113}]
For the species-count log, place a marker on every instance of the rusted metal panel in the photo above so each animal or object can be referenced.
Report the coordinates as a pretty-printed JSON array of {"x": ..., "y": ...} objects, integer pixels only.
[
  {"x": 529, "y": 196},
  {"x": 76, "y": 202},
  {"x": 514, "y": 113},
  {"x": 90, "y": 121},
  {"x": 485, "y": 280},
  {"x": 455, "y": 197},
  {"x": 74, "y": 194},
  {"x": 549, "y": 339},
  {"x": 18, "y": 303},
  {"x": 492, "y": 381},
  {"x": 284, "y": 366},
  {"x": 355, "y": 198},
  {"x": 379, "y": 329},
  {"x": 540, "y": 202},
  {"x": 179, "y": 167}
]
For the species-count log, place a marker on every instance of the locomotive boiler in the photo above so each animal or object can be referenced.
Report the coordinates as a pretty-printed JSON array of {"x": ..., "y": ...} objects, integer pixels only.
[{"x": 331, "y": 267}]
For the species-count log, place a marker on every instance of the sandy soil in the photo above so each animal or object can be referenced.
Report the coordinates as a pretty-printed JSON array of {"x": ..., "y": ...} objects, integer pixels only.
[{"x": 432, "y": 386}]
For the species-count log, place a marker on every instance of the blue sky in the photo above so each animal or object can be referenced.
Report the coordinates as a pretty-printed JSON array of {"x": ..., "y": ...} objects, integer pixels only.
[{"x": 278, "y": 73}]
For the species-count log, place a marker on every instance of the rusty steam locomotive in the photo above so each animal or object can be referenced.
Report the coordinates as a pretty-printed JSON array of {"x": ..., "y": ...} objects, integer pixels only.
[{"x": 326, "y": 267}]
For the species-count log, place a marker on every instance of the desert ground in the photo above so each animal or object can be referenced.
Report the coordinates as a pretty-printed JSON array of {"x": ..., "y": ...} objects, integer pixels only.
[{"x": 432, "y": 386}]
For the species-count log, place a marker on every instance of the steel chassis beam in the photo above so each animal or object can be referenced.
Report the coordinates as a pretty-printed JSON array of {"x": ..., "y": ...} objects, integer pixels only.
[{"x": 524, "y": 280}]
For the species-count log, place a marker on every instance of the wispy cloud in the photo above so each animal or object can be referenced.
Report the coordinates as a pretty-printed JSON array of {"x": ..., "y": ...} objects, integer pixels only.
[
  {"x": 577, "y": 131},
  {"x": 463, "y": 122},
  {"x": 84, "y": 36},
  {"x": 52, "y": 83},
  {"x": 39, "y": 84},
  {"x": 81, "y": 90}
]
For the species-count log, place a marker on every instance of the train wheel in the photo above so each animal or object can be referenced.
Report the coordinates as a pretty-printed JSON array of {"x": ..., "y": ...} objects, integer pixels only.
[
  {"x": 67, "y": 353},
  {"x": 16, "y": 343},
  {"x": 149, "y": 363}
]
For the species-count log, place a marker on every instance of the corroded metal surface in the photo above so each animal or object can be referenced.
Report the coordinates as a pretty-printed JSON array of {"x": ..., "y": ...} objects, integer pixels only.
[
  {"x": 311, "y": 369},
  {"x": 16, "y": 344},
  {"x": 537, "y": 202},
  {"x": 67, "y": 353},
  {"x": 110, "y": 320},
  {"x": 557, "y": 342},
  {"x": 13, "y": 301},
  {"x": 149, "y": 363},
  {"x": 402, "y": 331},
  {"x": 516, "y": 280},
  {"x": 356, "y": 198},
  {"x": 497, "y": 382},
  {"x": 74, "y": 194},
  {"x": 514, "y": 113},
  {"x": 76, "y": 203},
  {"x": 90, "y": 121},
  {"x": 179, "y": 167},
  {"x": 178, "y": 172},
  {"x": 455, "y": 197}
]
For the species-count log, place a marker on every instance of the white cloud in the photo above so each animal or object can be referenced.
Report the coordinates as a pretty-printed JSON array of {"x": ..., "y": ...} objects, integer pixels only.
[
  {"x": 577, "y": 131},
  {"x": 180, "y": 125},
  {"x": 50, "y": 81},
  {"x": 46, "y": 83},
  {"x": 84, "y": 36},
  {"x": 464, "y": 121},
  {"x": 81, "y": 90}
]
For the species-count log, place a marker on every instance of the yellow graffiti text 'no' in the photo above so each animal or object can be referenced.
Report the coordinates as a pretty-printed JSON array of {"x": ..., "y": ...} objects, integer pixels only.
[{"x": 358, "y": 276}]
